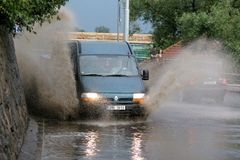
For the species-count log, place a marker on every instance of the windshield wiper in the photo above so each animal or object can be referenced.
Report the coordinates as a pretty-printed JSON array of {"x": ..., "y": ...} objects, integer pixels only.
[
  {"x": 117, "y": 75},
  {"x": 108, "y": 75},
  {"x": 92, "y": 74}
]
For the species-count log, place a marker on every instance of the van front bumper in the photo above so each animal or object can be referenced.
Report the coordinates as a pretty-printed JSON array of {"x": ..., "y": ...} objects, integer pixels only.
[{"x": 124, "y": 109}]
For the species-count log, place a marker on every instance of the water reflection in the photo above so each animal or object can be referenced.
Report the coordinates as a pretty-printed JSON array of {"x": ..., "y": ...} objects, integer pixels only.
[
  {"x": 136, "y": 148},
  {"x": 91, "y": 144},
  {"x": 180, "y": 136}
]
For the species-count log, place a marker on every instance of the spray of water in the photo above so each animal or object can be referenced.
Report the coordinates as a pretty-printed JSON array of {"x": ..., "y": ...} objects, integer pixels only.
[
  {"x": 194, "y": 63},
  {"x": 46, "y": 68}
]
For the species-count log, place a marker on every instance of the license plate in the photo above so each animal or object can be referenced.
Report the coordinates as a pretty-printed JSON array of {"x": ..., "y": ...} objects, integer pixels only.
[
  {"x": 116, "y": 108},
  {"x": 210, "y": 82}
]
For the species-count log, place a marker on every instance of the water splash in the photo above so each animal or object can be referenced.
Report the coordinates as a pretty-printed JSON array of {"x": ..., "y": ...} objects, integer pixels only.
[
  {"x": 46, "y": 68},
  {"x": 193, "y": 63}
]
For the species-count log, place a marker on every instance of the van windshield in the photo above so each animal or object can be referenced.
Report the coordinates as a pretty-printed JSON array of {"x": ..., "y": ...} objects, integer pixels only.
[
  {"x": 106, "y": 65},
  {"x": 106, "y": 47}
]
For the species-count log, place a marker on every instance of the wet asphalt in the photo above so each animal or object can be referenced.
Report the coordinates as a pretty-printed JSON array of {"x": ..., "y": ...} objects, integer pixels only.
[{"x": 175, "y": 131}]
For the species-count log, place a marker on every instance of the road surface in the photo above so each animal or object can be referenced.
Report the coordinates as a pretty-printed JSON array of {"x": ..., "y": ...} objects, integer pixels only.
[{"x": 175, "y": 131}]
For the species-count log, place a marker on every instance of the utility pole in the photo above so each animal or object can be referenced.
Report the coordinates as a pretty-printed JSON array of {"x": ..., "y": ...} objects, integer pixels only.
[
  {"x": 118, "y": 19},
  {"x": 126, "y": 21}
]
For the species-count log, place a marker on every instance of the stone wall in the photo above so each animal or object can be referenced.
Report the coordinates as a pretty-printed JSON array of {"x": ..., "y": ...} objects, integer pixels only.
[{"x": 13, "y": 112}]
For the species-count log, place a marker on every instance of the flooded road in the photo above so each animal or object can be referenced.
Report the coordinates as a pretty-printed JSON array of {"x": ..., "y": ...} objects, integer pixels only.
[{"x": 176, "y": 131}]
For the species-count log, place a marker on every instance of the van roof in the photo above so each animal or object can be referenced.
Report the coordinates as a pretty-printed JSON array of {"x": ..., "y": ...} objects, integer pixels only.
[{"x": 104, "y": 47}]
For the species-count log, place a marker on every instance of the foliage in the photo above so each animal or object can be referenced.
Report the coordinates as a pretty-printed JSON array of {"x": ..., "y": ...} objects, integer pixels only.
[
  {"x": 222, "y": 22},
  {"x": 175, "y": 20},
  {"x": 77, "y": 29},
  {"x": 102, "y": 29},
  {"x": 164, "y": 14},
  {"x": 16, "y": 15},
  {"x": 134, "y": 28},
  {"x": 193, "y": 25}
]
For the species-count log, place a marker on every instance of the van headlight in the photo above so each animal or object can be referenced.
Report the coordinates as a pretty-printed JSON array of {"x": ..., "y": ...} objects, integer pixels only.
[
  {"x": 90, "y": 96},
  {"x": 138, "y": 97}
]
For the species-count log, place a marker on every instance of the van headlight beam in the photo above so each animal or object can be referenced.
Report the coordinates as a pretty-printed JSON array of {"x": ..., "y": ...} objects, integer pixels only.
[
  {"x": 90, "y": 96},
  {"x": 138, "y": 97}
]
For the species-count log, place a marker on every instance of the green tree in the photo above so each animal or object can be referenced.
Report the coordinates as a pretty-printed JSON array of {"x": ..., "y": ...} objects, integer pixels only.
[
  {"x": 175, "y": 20},
  {"x": 77, "y": 29},
  {"x": 16, "y": 15},
  {"x": 222, "y": 22},
  {"x": 102, "y": 29},
  {"x": 163, "y": 16},
  {"x": 134, "y": 28}
]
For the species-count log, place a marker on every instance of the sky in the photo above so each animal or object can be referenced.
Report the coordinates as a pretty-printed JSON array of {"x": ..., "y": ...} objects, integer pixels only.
[{"x": 90, "y": 14}]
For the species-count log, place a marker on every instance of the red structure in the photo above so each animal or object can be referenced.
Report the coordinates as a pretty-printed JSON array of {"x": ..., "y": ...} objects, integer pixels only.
[{"x": 172, "y": 50}]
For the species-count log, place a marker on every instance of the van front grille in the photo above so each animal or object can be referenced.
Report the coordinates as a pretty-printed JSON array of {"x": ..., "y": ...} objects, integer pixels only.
[{"x": 120, "y": 99}]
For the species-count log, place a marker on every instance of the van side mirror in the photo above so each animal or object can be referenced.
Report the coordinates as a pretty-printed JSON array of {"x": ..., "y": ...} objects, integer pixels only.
[{"x": 145, "y": 75}]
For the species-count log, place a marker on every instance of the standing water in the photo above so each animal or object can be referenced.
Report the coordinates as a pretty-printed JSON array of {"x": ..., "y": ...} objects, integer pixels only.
[{"x": 174, "y": 130}]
